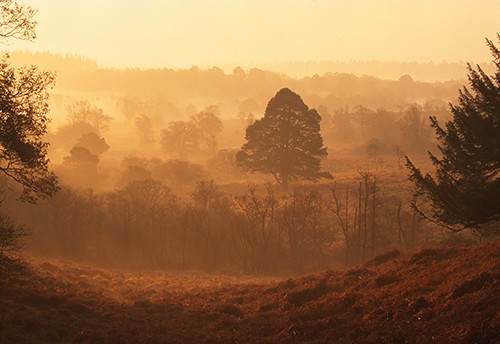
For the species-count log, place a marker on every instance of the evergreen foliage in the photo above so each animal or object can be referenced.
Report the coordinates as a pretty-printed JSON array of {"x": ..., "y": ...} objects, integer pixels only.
[{"x": 465, "y": 189}]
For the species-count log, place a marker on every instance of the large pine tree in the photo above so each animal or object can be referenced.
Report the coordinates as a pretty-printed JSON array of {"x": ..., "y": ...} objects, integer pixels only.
[
  {"x": 465, "y": 188},
  {"x": 286, "y": 142}
]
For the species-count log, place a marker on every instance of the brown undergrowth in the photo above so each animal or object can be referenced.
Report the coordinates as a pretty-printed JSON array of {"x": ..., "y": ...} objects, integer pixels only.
[{"x": 442, "y": 295}]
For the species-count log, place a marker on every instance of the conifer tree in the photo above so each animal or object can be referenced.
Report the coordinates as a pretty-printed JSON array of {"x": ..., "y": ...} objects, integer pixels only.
[{"x": 464, "y": 191}]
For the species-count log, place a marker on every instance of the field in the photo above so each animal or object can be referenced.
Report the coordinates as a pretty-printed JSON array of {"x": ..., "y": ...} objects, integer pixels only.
[{"x": 440, "y": 295}]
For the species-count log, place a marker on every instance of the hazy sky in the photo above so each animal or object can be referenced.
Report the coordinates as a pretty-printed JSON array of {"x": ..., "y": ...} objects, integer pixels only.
[{"x": 182, "y": 33}]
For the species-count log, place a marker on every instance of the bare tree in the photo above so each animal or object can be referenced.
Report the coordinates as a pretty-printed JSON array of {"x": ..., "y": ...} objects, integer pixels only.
[
  {"x": 343, "y": 214},
  {"x": 358, "y": 223},
  {"x": 10, "y": 235},
  {"x": 83, "y": 111},
  {"x": 260, "y": 233},
  {"x": 302, "y": 222}
]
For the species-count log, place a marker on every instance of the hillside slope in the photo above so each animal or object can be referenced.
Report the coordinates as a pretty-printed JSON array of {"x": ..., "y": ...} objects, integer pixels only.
[{"x": 445, "y": 295}]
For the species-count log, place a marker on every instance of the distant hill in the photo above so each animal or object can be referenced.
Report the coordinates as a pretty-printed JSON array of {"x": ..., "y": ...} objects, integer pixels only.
[
  {"x": 392, "y": 70},
  {"x": 53, "y": 61},
  {"x": 337, "y": 86},
  {"x": 439, "y": 295},
  {"x": 389, "y": 70}
]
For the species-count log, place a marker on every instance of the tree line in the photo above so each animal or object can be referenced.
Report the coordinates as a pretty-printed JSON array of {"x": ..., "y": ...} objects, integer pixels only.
[{"x": 261, "y": 230}]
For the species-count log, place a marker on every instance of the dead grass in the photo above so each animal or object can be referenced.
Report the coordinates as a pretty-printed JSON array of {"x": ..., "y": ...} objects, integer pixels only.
[{"x": 445, "y": 295}]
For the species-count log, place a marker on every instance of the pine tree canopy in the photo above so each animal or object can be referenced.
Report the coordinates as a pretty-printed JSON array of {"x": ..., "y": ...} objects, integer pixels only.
[
  {"x": 465, "y": 188},
  {"x": 286, "y": 142}
]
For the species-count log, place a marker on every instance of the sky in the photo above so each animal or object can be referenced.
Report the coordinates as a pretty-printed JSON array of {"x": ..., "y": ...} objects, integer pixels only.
[{"x": 183, "y": 33}]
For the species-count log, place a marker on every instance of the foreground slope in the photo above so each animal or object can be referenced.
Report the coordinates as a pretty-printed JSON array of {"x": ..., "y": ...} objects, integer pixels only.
[{"x": 444, "y": 295}]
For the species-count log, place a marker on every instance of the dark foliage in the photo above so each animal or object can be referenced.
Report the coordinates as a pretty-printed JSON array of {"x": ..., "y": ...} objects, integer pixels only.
[
  {"x": 23, "y": 110},
  {"x": 23, "y": 122},
  {"x": 17, "y": 21},
  {"x": 465, "y": 190},
  {"x": 286, "y": 142},
  {"x": 95, "y": 144},
  {"x": 10, "y": 235}
]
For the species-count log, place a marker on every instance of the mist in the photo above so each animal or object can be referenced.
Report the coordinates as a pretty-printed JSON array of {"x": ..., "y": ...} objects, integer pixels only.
[{"x": 326, "y": 181}]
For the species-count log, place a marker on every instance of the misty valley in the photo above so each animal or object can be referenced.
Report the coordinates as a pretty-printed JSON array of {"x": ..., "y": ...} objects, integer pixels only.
[
  {"x": 206, "y": 205},
  {"x": 147, "y": 184}
]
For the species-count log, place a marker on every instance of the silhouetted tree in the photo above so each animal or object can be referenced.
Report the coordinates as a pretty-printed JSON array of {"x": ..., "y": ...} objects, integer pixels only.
[
  {"x": 206, "y": 193},
  {"x": 10, "y": 235},
  {"x": 80, "y": 167},
  {"x": 23, "y": 121},
  {"x": 208, "y": 125},
  {"x": 152, "y": 209},
  {"x": 95, "y": 144},
  {"x": 286, "y": 142},
  {"x": 209, "y": 218},
  {"x": 181, "y": 138},
  {"x": 68, "y": 134},
  {"x": 302, "y": 223},
  {"x": 465, "y": 190},
  {"x": 82, "y": 156},
  {"x": 260, "y": 232},
  {"x": 23, "y": 110},
  {"x": 133, "y": 173},
  {"x": 84, "y": 112}
]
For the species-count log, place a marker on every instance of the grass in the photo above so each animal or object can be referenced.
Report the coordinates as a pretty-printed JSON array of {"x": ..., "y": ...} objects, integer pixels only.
[{"x": 441, "y": 295}]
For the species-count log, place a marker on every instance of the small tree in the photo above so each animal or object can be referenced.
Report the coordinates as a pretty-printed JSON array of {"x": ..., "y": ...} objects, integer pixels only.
[
  {"x": 80, "y": 168},
  {"x": 95, "y": 144},
  {"x": 10, "y": 236},
  {"x": 208, "y": 125},
  {"x": 286, "y": 142},
  {"x": 465, "y": 190},
  {"x": 83, "y": 111},
  {"x": 180, "y": 138}
]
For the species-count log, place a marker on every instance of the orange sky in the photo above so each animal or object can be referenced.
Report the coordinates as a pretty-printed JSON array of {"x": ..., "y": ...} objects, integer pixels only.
[{"x": 177, "y": 33}]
